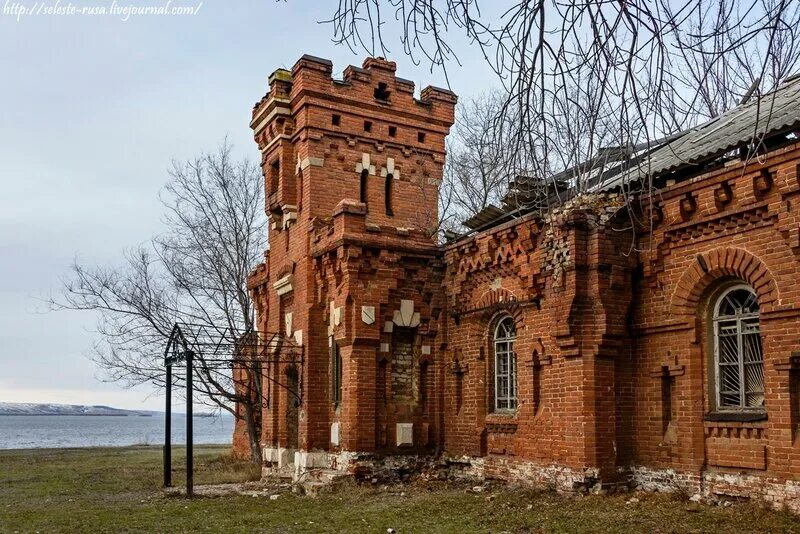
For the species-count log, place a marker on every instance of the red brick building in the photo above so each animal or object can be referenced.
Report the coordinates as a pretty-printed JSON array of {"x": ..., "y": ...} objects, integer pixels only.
[{"x": 570, "y": 349}]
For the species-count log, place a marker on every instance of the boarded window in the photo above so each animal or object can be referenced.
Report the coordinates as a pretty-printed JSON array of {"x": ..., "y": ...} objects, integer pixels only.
[{"x": 403, "y": 364}]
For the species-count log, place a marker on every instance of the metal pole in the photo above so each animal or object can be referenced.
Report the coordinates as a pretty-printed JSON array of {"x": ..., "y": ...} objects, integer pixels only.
[
  {"x": 189, "y": 440},
  {"x": 168, "y": 431}
]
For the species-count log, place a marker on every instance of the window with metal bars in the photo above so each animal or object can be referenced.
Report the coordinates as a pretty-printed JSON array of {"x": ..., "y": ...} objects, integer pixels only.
[
  {"x": 505, "y": 366},
  {"x": 738, "y": 358}
]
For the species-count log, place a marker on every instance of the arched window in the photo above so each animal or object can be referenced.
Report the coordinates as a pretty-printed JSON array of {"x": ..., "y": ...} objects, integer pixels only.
[
  {"x": 738, "y": 360},
  {"x": 505, "y": 366}
]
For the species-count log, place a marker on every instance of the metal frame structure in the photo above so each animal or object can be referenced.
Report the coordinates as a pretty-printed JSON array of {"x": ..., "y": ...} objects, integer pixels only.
[{"x": 219, "y": 350}]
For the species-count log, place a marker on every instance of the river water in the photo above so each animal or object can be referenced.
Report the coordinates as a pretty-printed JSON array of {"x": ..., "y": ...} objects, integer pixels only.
[{"x": 56, "y": 431}]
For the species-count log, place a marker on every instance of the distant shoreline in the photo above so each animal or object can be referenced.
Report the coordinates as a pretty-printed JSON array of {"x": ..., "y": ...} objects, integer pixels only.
[
  {"x": 80, "y": 415},
  {"x": 108, "y": 415}
]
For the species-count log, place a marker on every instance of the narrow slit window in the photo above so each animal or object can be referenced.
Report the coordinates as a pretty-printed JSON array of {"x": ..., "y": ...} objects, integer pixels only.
[
  {"x": 367, "y": 126},
  {"x": 336, "y": 120},
  {"x": 421, "y": 137},
  {"x": 336, "y": 374},
  {"x": 299, "y": 191},
  {"x": 363, "y": 186},
  {"x": 388, "y": 194},
  {"x": 423, "y": 387},
  {"x": 392, "y": 131},
  {"x": 274, "y": 175}
]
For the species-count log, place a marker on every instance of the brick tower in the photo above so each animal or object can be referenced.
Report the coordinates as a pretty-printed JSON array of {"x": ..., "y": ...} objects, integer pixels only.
[{"x": 352, "y": 169}]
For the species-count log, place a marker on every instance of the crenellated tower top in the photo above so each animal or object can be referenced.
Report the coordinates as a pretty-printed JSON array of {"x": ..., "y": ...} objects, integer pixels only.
[{"x": 363, "y": 144}]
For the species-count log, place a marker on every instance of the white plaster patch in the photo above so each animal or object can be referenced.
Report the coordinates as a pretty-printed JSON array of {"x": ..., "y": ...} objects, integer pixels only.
[
  {"x": 337, "y": 316},
  {"x": 388, "y": 326},
  {"x": 405, "y": 434},
  {"x": 426, "y": 349},
  {"x": 406, "y": 311},
  {"x": 384, "y": 347},
  {"x": 287, "y": 321},
  {"x": 364, "y": 160},
  {"x": 285, "y": 457},
  {"x": 335, "y": 433},
  {"x": 298, "y": 338},
  {"x": 496, "y": 284},
  {"x": 368, "y": 314}
]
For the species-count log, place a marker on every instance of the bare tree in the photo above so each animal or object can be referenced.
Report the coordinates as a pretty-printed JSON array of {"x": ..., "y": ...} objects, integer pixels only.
[
  {"x": 586, "y": 81},
  {"x": 195, "y": 272},
  {"x": 477, "y": 168}
]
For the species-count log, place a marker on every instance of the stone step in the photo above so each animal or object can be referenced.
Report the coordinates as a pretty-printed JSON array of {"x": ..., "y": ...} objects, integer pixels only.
[{"x": 315, "y": 480}]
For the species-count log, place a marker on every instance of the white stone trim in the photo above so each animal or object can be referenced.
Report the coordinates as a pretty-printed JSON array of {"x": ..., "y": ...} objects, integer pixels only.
[
  {"x": 284, "y": 285},
  {"x": 278, "y": 110},
  {"x": 405, "y": 434},
  {"x": 368, "y": 314},
  {"x": 406, "y": 316},
  {"x": 287, "y": 322},
  {"x": 304, "y": 163}
]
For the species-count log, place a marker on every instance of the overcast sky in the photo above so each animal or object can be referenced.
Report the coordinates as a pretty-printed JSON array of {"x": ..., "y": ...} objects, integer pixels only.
[{"x": 93, "y": 110}]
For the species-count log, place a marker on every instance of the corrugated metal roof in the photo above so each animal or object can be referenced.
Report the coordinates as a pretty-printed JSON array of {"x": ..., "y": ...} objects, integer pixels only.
[
  {"x": 487, "y": 215},
  {"x": 772, "y": 113}
]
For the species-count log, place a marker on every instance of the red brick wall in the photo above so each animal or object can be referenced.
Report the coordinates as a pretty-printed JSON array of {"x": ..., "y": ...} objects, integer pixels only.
[
  {"x": 623, "y": 327},
  {"x": 347, "y": 255},
  {"x": 612, "y": 347},
  {"x": 568, "y": 289},
  {"x": 752, "y": 238}
]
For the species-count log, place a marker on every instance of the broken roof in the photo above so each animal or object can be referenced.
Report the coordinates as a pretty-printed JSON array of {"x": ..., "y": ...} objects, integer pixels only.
[
  {"x": 489, "y": 214},
  {"x": 772, "y": 114}
]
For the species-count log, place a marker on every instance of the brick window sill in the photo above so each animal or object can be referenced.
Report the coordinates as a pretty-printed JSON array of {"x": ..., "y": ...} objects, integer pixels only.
[
  {"x": 501, "y": 423},
  {"x": 735, "y": 417}
]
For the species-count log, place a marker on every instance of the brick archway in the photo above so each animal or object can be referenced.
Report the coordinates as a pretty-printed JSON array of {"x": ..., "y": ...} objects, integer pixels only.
[
  {"x": 717, "y": 263},
  {"x": 495, "y": 303}
]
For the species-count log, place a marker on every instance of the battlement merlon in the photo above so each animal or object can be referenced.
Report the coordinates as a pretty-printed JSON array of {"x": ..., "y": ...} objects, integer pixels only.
[
  {"x": 259, "y": 276},
  {"x": 370, "y": 89}
]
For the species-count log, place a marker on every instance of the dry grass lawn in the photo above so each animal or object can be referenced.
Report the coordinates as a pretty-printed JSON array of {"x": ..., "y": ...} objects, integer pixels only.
[{"x": 118, "y": 490}]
